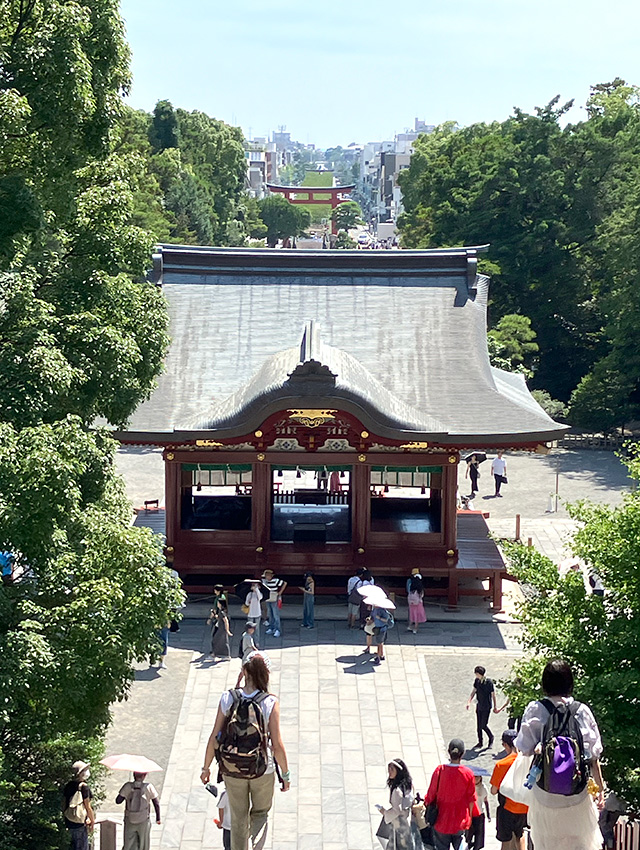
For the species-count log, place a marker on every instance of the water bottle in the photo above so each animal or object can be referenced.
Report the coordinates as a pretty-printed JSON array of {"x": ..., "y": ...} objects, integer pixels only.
[{"x": 533, "y": 775}]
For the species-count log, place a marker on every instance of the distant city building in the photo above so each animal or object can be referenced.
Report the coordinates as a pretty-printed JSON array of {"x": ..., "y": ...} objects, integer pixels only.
[
  {"x": 380, "y": 165},
  {"x": 261, "y": 157}
]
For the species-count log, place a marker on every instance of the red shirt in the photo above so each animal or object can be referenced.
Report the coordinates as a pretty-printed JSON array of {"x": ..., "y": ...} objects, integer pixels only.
[{"x": 453, "y": 787}]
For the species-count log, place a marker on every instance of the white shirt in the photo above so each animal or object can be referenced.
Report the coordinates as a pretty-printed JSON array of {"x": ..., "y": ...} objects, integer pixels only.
[
  {"x": 535, "y": 719},
  {"x": 226, "y": 701},
  {"x": 498, "y": 466},
  {"x": 253, "y": 600},
  {"x": 399, "y": 805},
  {"x": 533, "y": 722},
  {"x": 223, "y": 803},
  {"x": 354, "y": 581}
]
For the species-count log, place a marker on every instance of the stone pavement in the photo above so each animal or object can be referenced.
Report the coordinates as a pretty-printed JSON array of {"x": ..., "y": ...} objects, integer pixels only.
[{"x": 342, "y": 720}]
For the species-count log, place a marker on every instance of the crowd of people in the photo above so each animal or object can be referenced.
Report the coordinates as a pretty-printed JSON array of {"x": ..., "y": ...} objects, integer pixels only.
[{"x": 556, "y": 803}]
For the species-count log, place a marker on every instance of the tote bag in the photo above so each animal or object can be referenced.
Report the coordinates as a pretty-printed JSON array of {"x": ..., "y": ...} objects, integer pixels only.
[{"x": 512, "y": 786}]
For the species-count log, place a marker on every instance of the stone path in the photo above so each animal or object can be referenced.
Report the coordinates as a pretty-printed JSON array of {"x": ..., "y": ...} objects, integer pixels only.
[{"x": 343, "y": 719}]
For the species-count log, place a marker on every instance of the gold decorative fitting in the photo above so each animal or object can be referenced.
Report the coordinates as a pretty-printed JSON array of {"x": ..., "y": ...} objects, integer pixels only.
[
  {"x": 364, "y": 434},
  {"x": 261, "y": 456},
  {"x": 170, "y": 455},
  {"x": 414, "y": 446},
  {"x": 258, "y": 433},
  {"x": 170, "y": 549},
  {"x": 360, "y": 551},
  {"x": 453, "y": 459},
  {"x": 362, "y": 458},
  {"x": 312, "y": 418},
  {"x": 450, "y": 553},
  {"x": 259, "y": 549},
  {"x": 209, "y": 444}
]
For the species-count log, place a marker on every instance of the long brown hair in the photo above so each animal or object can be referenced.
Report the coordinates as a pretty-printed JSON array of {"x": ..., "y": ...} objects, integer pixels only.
[{"x": 257, "y": 670}]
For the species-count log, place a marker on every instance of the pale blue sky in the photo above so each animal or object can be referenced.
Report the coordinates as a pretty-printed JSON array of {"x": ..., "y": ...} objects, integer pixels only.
[{"x": 339, "y": 71}]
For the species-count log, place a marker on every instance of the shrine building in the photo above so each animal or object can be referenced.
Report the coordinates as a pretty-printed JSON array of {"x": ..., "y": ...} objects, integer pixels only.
[{"x": 314, "y": 408}]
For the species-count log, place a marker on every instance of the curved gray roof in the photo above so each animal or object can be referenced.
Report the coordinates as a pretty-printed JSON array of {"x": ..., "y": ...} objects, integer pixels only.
[{"x": 401, "y": 336}]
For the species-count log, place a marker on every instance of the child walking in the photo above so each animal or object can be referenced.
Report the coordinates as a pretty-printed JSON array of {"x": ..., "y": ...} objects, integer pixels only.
[
  {"x": 415, "y": 598},
  {"x": 475, "y": 833},
  {"x": 224, "y": 820}
]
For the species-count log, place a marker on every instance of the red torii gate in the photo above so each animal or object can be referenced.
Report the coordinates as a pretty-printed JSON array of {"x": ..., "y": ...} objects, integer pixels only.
[{"x": 332, "y": 195}]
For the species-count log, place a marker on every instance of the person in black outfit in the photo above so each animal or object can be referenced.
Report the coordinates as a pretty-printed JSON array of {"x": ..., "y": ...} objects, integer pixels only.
[
  {"x": 485, "y": 693},
  {"x": 473, "y": 473}
]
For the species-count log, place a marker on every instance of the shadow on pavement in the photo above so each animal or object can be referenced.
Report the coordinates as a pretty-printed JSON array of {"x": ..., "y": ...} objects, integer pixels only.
[
  {"x": 360, "y": 664},
  {"x": 150, "y": 674}
]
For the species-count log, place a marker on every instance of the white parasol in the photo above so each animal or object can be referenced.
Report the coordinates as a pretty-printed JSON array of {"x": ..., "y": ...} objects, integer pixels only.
[
  {"x": 379, "y": 602},
  {"x": 372, "y": 590},
  {"x": 134, "y": 764}
]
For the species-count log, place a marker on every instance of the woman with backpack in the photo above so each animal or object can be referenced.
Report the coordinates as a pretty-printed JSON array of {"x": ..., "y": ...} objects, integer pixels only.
[
  {"x": 394, "y": 831},
  {"x": 562, "y": 817},
  {"x": 247, "y": 743},
  {"x": 415, "y": 600}
]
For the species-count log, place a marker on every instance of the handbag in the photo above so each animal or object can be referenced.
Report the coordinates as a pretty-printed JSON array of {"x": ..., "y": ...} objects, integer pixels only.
[
  {"x": 369, "y": 628},
  {"x": 512, "y": 786},
  {"x": 431, "y": 809},
  {"x": 385, "y": 830},
  {"x": 244, "y": 609},
  {"x": 354, "y": 597},
  {"x": 504, "y": 479}
]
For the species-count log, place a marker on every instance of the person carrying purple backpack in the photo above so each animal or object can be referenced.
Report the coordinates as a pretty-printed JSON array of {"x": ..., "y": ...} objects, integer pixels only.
[{"x": 564, "y": 737}]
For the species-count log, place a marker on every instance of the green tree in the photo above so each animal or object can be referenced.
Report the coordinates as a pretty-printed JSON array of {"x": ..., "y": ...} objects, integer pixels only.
[
  {"x": 551, "y": 406},
  {"x": 164, "y": 132},
  {"x": 599, "y": 636},
  {"x": 600, "y": 401},
  {"x": 512, "y": 184},
  {"x": 347, "y": 215},
  {"x": 82, "y": 335},
  {"x": 283, "y": 220},
  {"x": 93, "y": 592},
  {"x": 344, "y": 240},
  {"x": 514, "y": 340}
]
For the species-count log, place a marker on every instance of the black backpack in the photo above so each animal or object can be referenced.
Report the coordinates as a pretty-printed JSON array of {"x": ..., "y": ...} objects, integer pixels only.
[
  {"x": 244, "y": 740},
  {"x": 564, "y": 767}
]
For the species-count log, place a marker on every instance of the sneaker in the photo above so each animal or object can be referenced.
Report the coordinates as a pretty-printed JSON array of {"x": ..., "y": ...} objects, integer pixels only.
[
  {"x": 382, "y": 658},
  {"x": 276, "y": 633},
  {"x": 163, "y": 666},
  {"x": 268, "y": 632},
  {"x": 376, "y": 660},
  {"x": 409, "y": 628}
]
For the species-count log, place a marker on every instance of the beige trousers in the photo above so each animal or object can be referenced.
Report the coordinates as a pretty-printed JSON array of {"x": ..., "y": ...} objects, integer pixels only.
[{"x": 250, "y": 801}]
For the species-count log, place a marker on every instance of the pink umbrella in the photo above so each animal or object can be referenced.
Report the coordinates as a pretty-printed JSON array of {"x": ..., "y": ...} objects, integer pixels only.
[{"x": 135, "y": 764}]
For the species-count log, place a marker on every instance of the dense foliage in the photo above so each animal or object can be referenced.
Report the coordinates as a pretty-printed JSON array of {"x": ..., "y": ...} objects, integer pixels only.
[
  {"x": 558, "y": 205},
  {"x": 347, "y": 215},
  {"x": 82, "y": 335},
  {"x": 599, "y": 636},
  {"x": 190, "y": 172},
  {"x": 282, "y": 219}
]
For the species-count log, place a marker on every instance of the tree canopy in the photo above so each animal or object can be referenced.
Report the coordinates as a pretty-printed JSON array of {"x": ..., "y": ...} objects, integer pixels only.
[
  {"x": 598, "y": 635},
  {"x": 282, "y": 219},
  {"x": 82, "y": 335},
  {"x": 347, "y": 215},
  {"x": 558, "y": 205}
]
